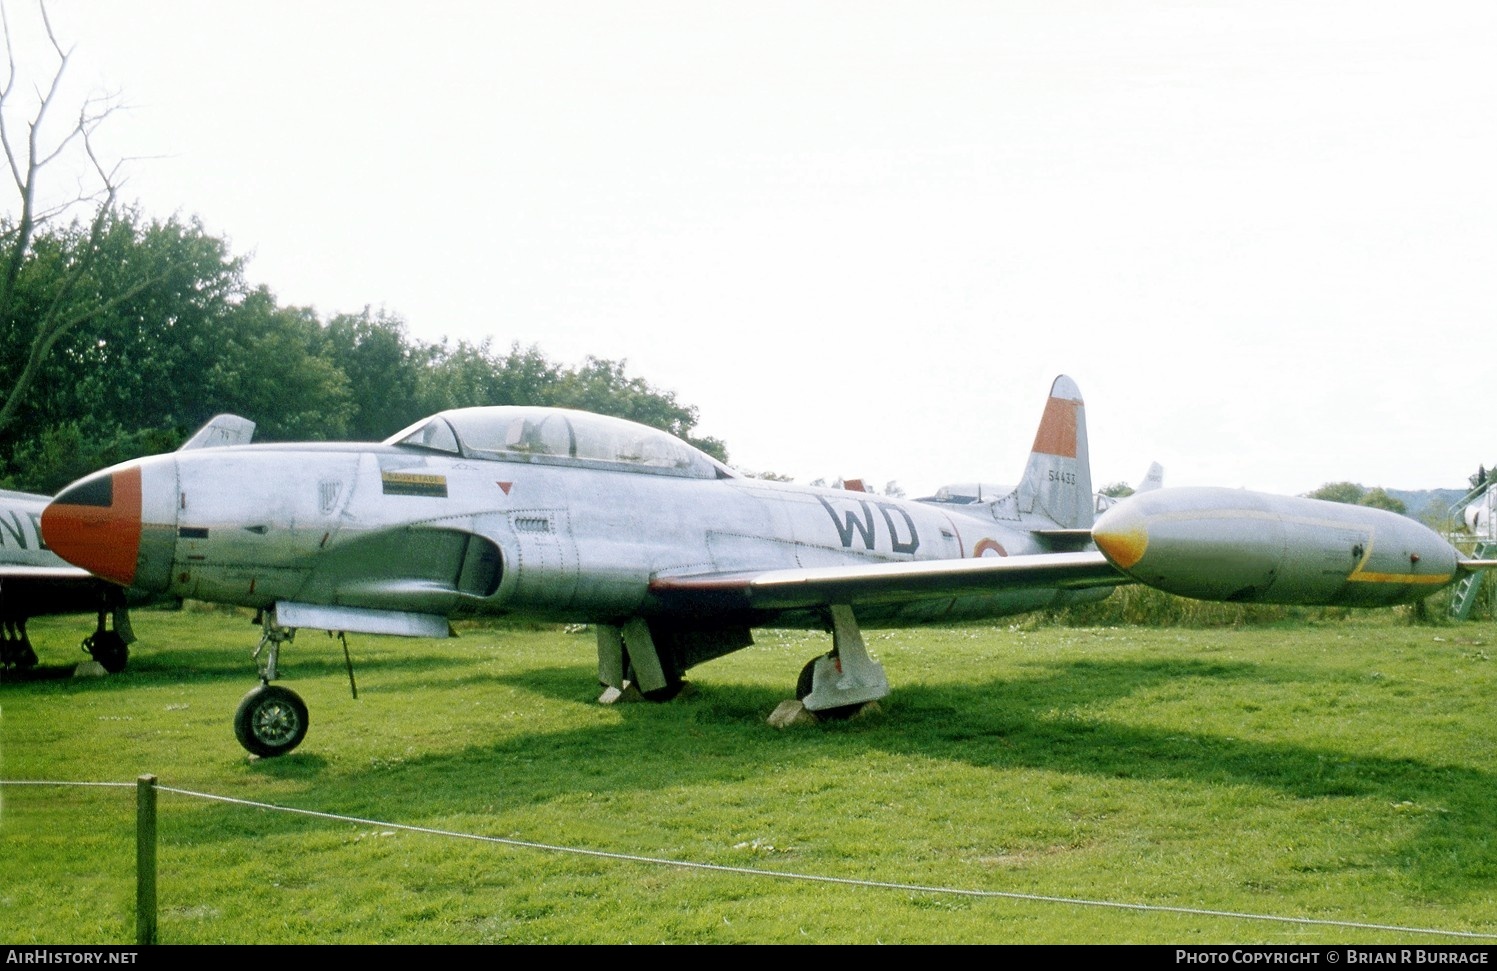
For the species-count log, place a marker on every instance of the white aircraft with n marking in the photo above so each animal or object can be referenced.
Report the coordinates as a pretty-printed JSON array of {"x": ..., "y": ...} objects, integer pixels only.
[
  {"x": 673, "y": 557},
  {"x": 35, "y": 582}
]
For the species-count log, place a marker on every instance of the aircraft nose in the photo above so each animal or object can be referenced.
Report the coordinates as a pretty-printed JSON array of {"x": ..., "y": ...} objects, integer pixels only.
[
  {"x": 119, "y": 524},
  {"x": 95, "y": 523}
]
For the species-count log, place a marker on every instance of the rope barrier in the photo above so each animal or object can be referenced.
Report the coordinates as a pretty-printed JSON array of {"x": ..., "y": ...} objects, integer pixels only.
[{"x": 780, "y": 874}]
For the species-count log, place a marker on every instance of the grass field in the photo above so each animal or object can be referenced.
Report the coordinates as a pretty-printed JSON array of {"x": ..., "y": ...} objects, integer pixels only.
[{"x": 1332, "y": 770}]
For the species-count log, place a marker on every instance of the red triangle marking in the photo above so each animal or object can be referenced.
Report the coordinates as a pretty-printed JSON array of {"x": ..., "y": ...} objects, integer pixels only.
[{"x": 506, "y": 486}]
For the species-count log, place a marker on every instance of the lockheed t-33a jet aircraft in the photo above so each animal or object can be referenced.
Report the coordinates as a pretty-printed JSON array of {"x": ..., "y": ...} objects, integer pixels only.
[{"x": 673, "y": 557}]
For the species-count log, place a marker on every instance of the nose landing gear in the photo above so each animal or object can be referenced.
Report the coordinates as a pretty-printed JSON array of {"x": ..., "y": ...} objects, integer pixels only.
[{"x": 271, "y": 720}]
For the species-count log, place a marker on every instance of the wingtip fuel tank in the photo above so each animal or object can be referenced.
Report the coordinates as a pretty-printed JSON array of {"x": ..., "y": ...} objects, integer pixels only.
[{"x": 1250, "y": 547}]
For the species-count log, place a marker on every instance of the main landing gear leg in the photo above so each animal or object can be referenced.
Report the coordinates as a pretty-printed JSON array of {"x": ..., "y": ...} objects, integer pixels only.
[
  {"x": 271, "y": 720},
  {"x": 111, "y": 648},
  {"x": 839, "y": 684},
  {"x": 610, "y": 662},
  {"x": 15, "y": 647},
  {"x": 628, "y": 655}
]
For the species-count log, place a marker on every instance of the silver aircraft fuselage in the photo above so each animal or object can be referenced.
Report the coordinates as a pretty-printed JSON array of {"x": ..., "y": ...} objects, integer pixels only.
[{"x": 397, "y": 528}]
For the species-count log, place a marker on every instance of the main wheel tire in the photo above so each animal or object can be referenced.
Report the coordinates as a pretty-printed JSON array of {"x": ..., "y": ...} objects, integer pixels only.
[
  {"x": 807, "y": 680},
  {"x": 806, "y": 683},
  {"x": 674, "y": 683},
  {"x": 109, "y": 649},
  {"x": 668, "y": 693},
  {"x": 27, "y": 659},
  {"x": 270, "y": 721}
]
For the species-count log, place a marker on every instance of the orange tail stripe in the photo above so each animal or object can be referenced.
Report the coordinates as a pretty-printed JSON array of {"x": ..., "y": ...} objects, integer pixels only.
[{"x": 1057, "y": 434}]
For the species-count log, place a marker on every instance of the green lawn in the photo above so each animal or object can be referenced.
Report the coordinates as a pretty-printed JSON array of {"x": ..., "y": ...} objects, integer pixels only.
[{"x": 1324, "y": 771}]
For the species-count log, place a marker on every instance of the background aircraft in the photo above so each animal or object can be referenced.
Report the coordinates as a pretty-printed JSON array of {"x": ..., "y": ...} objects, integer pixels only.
[
  {"x": 1153, "y": 479},
  {"x": 965, "y": 492},
  {"x": 674, "y": 558},
  {"x": 36, "y": 582},
  {"x": 1478, "y": 515}
]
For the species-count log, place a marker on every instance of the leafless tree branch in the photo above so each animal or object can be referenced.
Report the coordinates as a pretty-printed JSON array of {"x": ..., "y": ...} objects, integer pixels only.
[{"x": 67, "y": 308}]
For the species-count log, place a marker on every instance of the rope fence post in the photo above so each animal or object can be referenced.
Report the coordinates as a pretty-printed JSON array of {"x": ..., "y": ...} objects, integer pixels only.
[{"x": 145, "y": 860}]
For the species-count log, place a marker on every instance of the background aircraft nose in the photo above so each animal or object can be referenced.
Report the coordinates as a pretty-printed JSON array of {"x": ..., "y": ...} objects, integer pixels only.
[{"x": 95, "y": 523}]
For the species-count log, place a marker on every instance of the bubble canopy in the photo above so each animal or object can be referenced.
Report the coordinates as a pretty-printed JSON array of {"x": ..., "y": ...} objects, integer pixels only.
[{"x": 558, "y": 436}]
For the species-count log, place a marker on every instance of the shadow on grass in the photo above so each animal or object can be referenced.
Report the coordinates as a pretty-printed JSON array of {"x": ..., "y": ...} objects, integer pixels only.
[
  {"x": 312, "y": 656},
  {"x": 41, "y": 672},
  {"x": 1030, "y": 723}
]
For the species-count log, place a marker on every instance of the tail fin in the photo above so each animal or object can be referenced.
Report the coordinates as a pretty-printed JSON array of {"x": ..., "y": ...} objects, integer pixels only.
[
  {"x": 1153, "y": 479},
  {"x": 221, "y": 430},
  {"x": 1057, "y": 482}
]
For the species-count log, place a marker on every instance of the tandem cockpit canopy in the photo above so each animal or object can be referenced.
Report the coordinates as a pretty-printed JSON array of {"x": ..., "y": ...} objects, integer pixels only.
[{"x": 558, "y": 436}]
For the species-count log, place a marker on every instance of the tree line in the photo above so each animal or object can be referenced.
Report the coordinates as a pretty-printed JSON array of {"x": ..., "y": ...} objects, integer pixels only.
[
  {"x": 121, "y": 334},
  {"x": 169, "y": 333}
]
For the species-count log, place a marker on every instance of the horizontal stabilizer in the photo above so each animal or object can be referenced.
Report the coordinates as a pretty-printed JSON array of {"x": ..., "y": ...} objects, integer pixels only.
[{"x": 1064, "y": 540}]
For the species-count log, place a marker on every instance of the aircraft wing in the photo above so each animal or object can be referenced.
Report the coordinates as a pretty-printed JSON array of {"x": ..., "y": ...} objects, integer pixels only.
[
  {"x": 884, "y": 583},
  {"x": 42, "y": 590},
  {"x": 60, "y": 573}
]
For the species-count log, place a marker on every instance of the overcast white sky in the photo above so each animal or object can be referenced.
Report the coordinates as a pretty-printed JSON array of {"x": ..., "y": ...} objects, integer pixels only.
[{"x": 864, "y": 237}]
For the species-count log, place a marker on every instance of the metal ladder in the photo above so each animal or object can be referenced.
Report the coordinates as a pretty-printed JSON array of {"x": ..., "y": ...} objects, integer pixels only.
[{"x": 1463, "y": 595}]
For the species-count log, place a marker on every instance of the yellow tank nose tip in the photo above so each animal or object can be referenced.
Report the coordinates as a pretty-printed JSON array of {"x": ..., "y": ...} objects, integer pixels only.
[{"x": 1124, "y": 547}]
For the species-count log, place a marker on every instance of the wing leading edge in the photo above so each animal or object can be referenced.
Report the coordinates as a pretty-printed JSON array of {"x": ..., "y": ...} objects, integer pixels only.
[
  {"x": 888, "y": 583},
  {"x": 35, "y": 591}
]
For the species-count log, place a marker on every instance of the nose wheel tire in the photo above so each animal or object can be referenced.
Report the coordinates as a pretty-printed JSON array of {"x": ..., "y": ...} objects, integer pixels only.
[{"x": 270, "y": 721}]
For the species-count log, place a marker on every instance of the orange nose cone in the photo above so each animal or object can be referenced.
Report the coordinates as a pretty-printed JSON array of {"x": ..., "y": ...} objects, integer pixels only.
[{"x": 95, "y": 524}]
